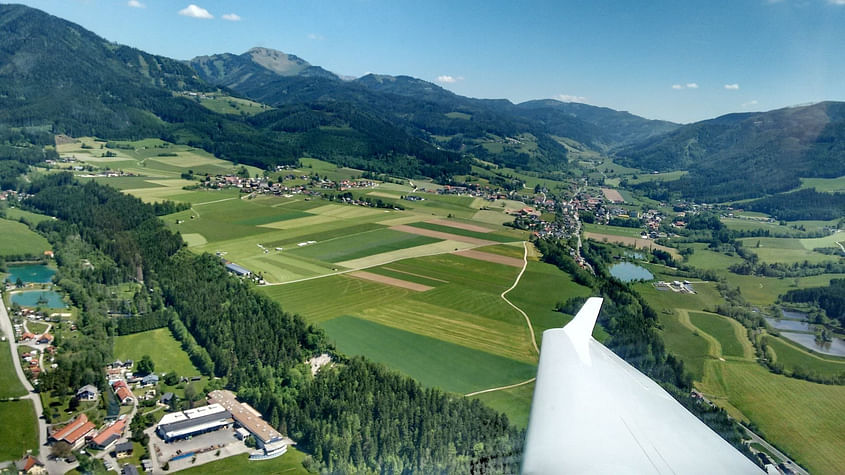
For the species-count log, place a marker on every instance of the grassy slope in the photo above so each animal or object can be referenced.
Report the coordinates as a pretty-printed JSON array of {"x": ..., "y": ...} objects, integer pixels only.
[
  {"x": 17, "y": 238},
  {"x": 160, "y": 345}
]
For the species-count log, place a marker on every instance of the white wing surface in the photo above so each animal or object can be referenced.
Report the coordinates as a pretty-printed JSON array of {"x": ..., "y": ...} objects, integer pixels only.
[{"x": 594, "y": 413}]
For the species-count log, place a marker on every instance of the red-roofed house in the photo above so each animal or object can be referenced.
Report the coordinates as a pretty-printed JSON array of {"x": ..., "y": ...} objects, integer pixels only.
[
  {"x": 75, "y": 432},
  {"x": 30, "y": 465},
  {"x": 109, "y": 435},
  {"x": 124, "y": 395}
]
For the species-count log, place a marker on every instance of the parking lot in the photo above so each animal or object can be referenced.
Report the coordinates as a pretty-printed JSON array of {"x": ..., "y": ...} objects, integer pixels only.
[{"x": 204, "y": 447}]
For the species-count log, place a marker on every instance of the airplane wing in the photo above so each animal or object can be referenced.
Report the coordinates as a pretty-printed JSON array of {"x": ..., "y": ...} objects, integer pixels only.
[{"x": 594, "y": 413}]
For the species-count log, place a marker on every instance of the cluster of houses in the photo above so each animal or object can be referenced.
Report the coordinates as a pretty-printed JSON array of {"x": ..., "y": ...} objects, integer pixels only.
[
  {"x": 121, "y": 380},
  {"x": 81, "y": 431},
  {"x": 264, "y": 185}
]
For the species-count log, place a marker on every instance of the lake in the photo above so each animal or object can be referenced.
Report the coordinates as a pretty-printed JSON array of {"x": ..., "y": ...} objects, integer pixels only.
[
  {"x": 34, "y": 273},
  {"x": 628, "y": 272},
  {"x": 30, "y": 298},
  {"x": 808, "y": 340},
  {"x": 790, "y": 325}
]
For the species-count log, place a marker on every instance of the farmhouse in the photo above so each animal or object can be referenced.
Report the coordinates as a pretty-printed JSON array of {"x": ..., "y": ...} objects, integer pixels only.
[
  {"x": 149, "y": 380},
  {"x": 87, "y": 393},
  {"x": 238, "y": 270},
  {"x": 75, "y": 432},
  {"x": 267, "y": 438},
  {"x": 185, "y": 424},
  {"x": 109, "y": 435},
  {"x": 121, "y": 390}
]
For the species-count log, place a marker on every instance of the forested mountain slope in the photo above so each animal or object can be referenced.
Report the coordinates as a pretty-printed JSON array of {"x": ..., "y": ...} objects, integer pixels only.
[{"x": 740, "y": 156}]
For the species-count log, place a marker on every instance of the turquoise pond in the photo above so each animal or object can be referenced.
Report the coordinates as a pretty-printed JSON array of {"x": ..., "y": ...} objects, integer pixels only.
[
  {"x": 39, "y": 298},
  {"x": 33, "y": 273},
  {"x": 627, "y": 272}
]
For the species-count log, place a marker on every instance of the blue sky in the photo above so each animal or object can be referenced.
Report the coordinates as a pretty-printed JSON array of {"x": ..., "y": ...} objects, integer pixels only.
[{"x": 673, "y": 60}]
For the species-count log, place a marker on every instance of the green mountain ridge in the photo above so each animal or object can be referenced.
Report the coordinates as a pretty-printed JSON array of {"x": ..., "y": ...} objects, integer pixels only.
[{"x": 747, "y": 155}]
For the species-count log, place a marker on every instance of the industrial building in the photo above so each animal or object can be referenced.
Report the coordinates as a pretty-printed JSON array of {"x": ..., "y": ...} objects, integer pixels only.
[
  {"x": 266, "y": 437},
  {"x": 181, "y": 425}
]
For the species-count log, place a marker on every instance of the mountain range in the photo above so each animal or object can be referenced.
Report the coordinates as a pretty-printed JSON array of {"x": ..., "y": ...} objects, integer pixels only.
[{"x": 58, "y": 77}]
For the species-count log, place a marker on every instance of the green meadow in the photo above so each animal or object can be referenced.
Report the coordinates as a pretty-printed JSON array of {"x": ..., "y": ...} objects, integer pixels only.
[
  {"x": 19, "y": 430},
  {"x": 17, "y": 239},
  {"x": 433, "y": 362},
  {"x": 724, "y": 331},
  {"x": 10, "y": 385},
  {"x": 165, "y": 351},
  {"x": 805, "y": 419}
]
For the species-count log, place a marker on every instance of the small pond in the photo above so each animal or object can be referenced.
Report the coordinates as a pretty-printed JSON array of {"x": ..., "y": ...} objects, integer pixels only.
[
  {"x": 38, "y": 298},
  {"x": 808, "y": 340},
  {"x": 33, "y": 273},
  {"x": 790, "y": 325},
  {"x": 628, "y": 272}
]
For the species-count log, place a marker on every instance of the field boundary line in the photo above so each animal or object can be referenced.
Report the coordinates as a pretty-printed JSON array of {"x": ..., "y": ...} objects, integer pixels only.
[
  {"x": 215, "y": 201},
  {"x": 501, "y": 388},
  {"x": 515, "y": 283}
]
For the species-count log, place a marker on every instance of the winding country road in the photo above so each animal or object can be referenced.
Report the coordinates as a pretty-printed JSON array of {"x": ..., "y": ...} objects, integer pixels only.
[
  {"x": 6, "y": 327},
  {"x": 527, "y": 321}
]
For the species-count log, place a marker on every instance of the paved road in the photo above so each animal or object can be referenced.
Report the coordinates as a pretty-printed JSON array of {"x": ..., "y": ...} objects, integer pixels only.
[
  {"x": 6, "y": 327},
  {"x": 787, "y": 461}
]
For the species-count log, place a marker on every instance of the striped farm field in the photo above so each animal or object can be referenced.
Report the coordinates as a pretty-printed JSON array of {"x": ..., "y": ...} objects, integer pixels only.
[
  {"x": 367, "y": 243},
  {"x": 431, "y": 361},
  {"x": 382, "y": 279},
  {"x": 488, "y": 236}
]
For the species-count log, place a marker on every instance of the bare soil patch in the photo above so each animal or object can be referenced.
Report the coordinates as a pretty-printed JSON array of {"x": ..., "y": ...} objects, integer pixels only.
[
  {"x": 442, "y": 235},
  {"x": 457, "y": 225},
  {"x": 613, "y": 195},
  {"x": 486, "y": 256},
  {"x": 381, "y": 279}
]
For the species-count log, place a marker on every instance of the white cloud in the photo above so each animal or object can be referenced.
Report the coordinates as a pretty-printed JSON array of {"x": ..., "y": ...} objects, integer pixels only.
[
  {"x": 315, "y": 36},
  {"x": 732, "y": 87},
  {"x": 677, "y": 87},
  {"x": 194, "y": 11},
  {"x": 836, "y": 2},
  {"x": 571, "y": 98},
  {"x": 446, "y": 79},
  {"x": 750, "y": 103},
  {"x": 135, "y": 4},
  {"x": 231, "y": 17},
  {"x": 692, "y": 85}
]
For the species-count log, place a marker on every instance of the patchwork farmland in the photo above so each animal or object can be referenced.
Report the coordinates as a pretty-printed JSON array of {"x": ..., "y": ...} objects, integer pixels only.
[{"x": 417, "y": 289}]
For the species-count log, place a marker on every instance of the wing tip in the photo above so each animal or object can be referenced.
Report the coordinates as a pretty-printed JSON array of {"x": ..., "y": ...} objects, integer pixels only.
[{"x": 581, "y": 327}]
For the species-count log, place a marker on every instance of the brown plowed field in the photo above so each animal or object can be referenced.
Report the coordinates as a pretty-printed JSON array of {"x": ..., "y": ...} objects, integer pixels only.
[
  {"x": 381, "y": 279},
  {"x": 486, "y": 256},
  {"x": 456, "y": 225},
  {"x": 442, "y": 235}
]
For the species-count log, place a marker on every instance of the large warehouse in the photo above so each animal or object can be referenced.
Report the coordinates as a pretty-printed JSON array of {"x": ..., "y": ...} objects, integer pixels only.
[
  {"x": 181, "y": 425},
  {"x": 267, "y": 438}
]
